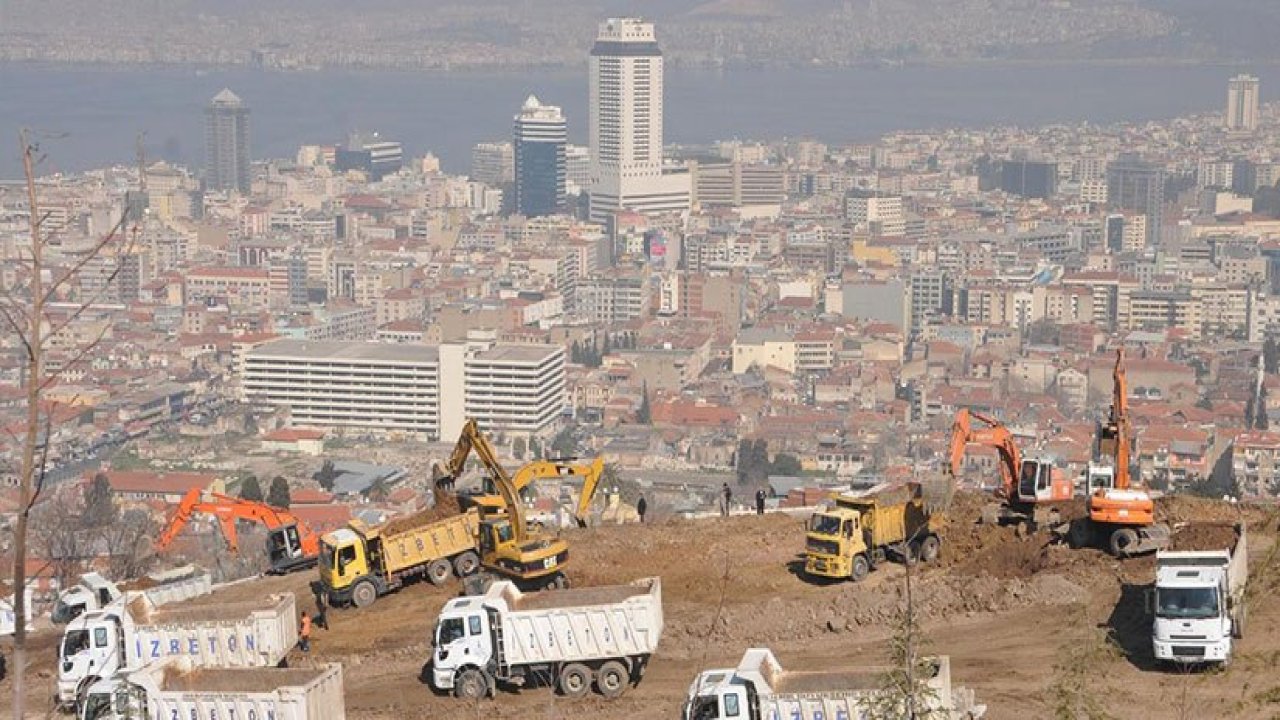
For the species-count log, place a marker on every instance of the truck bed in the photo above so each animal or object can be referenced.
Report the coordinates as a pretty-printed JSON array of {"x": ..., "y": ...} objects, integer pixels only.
[
  {"x": 789, "y": 683},
  {"x": 237, "y": 679},
  {"x": 555, "y": 599},
  {"x": 142, "y": 614}
]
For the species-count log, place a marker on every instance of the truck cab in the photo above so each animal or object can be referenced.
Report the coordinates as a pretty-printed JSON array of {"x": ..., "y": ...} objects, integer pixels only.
[
  {"x": 112, "y": 699},
  {"x": 461, "y": 640},
  {"x": 93, "y": 592},
  {"x": 1192, "y": 623},
  {"x": 719, "y": 694},
  {"x": 833, "y": 540},
  {"x": 344, "y": 559},
  {"x": 91, "y": 648}
]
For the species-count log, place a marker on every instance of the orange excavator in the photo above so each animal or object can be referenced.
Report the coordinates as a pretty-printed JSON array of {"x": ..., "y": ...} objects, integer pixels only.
[
  {"x": 1121, "y": 514},
  {"x": 1031, "y": 489},
  {"x": 291, "y": 545}
]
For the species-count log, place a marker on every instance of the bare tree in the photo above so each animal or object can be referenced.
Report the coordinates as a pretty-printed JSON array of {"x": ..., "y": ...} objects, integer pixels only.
[{"x": 24, "y": 311}]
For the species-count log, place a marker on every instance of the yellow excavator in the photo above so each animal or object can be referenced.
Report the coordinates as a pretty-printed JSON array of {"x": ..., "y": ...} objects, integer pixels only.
[{"x": 509, "y": 549}]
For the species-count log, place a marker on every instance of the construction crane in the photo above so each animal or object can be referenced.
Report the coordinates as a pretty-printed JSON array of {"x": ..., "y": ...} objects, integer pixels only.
[
  {"x": 1121, "y": 514},
  {"x": 508, "y": 548},
  {"x": 291, "y": 545},
  {"x": 1031, "y": 489}
]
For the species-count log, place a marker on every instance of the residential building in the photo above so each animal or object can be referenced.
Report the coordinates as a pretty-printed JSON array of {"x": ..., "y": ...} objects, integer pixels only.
[
  {"x": 245, "y": 287},
  {"x": 1029, "y": 179},
  {"x": 370, "y": 154},
  {"x": 493, "y": 163},
  {"x": 1242, "y": 103},
  {"x": 1134, "y": 184},
  {"x": 1255, "y": 464},
  {"x": 877, "y": 214}
]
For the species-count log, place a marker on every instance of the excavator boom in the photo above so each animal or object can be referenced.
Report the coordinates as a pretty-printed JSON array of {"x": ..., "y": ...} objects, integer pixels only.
[{"x": 293, "y": 544}]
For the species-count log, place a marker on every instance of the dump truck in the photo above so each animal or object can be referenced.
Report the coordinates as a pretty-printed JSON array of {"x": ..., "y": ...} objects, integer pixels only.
[
  {"x": 360, "y": 563},
  {"x": 93, "y": 592},
  {"x": 759, "y": 689},
  {"x": 850, "y": 538},
  {"x": 134, "y": 632},
  {"x": 576, "y": 638},
  {"x": 1198, "y": 602},
  {"x": 178, "y": 689}
]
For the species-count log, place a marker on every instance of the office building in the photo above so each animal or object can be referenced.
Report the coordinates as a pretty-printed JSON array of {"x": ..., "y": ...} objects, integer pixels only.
[
  {"x": 1242, "y": 103},
  {"x": 577, "y": 169},
  {"x": 625, "y": 125},
  {"x": 1136, "y": 185},
  {"x": 878, "y": 214},
  {"x": 493, "y": 163},
  {"x": 370, "y": 154},
  {"x": 226, "y": 142},
  {"x": 421, "y": 391},
  {"x": 540, "y": 173},
  {"x": 1029, "y": 179}
]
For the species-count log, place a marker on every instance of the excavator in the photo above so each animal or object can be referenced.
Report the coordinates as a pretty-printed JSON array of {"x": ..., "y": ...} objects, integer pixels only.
[
  {"x": 1031, "y": 490},
  {"x": 1121, "y": 515},
  {"x": 508, "y": 548},
  {"x": 291, "y": 545},
  {"x": 489, "y": 500}
]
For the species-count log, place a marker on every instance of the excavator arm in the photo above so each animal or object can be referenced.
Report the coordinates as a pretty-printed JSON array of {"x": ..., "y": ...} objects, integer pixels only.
[
  {"x": 994, "y": 435},
  {"x": 230, "y": 510}
]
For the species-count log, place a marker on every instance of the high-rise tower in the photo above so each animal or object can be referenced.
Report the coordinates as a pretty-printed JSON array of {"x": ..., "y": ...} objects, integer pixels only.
[
  {"x": 226, "y": 133},
  {"x": 1136, "y": 185},
  {"x": 1242, "y": 103},
  {"x": 626, "y": 124},
  {"x": 540, "y": 137}
]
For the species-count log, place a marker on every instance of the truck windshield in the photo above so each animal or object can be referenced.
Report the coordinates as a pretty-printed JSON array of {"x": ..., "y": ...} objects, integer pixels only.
[
  {"x": 704, "y": 708},
  {"x": 97, "y": 706},
  {"x": 825, "y": 524},
  {"x": 450, "y": 630},
  {"x": 75, "y": 641},
  {"x": 1187, "y": 603}
]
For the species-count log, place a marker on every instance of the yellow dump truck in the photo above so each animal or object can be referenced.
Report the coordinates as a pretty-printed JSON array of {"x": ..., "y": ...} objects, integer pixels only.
[
  {"x": 360, "y": 563},
  {"x": 850, "y": 538}
]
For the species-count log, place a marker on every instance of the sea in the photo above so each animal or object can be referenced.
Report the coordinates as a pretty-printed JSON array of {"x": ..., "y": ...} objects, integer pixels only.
[{"x": 88, "y": 117}]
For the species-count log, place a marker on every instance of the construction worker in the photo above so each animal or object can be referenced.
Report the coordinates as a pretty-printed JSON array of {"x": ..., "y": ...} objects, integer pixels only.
[
  {"x": 641, "y": 506},
  {"x": 760, "y": 501},
  {"x": 728, "y": 498},
  {"x": 304, "y": 633}
]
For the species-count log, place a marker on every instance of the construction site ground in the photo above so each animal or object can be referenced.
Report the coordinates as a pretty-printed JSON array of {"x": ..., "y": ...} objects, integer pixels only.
[{"x": 1035, "y": 629}]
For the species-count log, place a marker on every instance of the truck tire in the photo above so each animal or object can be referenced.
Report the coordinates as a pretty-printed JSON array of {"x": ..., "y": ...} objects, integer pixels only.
[
  {"x": 363, "y": 594},
  {"x": 1080, "y": 535},
  {"x": 470, "y": 685},
  {"x": 1122, "y": 541},
  {"x": 860, "y": 568},
  {"x": 575, "y": 680},
  {"x": 466, "y": 564},
  {"x": 439, "y": 571},
  {"x": 929, "y": 549},
  {"x": 612, "y": 679}
]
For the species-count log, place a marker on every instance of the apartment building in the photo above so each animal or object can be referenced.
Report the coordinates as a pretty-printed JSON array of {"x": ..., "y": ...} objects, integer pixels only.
[{"x": 248, "y": 288}]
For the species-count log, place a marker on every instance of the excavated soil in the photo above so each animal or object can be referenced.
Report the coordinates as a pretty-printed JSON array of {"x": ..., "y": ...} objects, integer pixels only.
[
  {"x": 238, "y": 680},
  {"x": 445, "y": 507},
  {"x": 1036, "y": 629},
  {"x": 1204, "y": 536}
]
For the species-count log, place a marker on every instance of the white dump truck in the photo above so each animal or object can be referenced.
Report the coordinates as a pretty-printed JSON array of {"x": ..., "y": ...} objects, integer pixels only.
[
  {"x": 134, "y": 633},
  {"x": 177, "y": 689},
  {"x": 574, "y": 638},
  {"x": 1199, "y": 601},
  {"x": 759, "y": 689},
  {"x": 93, "y": 592}
]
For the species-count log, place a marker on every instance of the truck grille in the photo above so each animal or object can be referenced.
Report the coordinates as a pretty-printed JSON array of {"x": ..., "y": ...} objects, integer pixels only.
[
  {"x": 1187, "y": 637},
  {"x": 1188, "y": 651},
  {"x": 822, "y": 547}
]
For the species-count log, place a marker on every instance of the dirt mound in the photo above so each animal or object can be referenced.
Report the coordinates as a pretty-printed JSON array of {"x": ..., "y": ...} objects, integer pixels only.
[
  {"x": 446, "y": 506},
  {"x": 1204, "y": 536},
  {"x": 1176, "y": 509}
]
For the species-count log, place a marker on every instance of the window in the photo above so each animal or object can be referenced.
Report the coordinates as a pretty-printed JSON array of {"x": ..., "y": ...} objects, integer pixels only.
[
  {"x": 731, "y": 706},
  {"x": 450, "y": 630},
  {"x": 474, "y": 622},
  {"x": 100, "y": 637}
]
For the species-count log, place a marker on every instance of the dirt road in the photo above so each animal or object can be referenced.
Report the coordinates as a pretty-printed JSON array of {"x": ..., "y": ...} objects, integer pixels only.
[{"x": 1036, "y": 630}]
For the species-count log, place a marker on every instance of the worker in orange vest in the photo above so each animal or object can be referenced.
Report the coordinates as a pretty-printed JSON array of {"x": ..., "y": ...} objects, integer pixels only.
[{"x": 304, "y": 633}]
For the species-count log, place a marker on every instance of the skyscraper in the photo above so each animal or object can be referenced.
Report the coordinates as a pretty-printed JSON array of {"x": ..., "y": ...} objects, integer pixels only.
[
  {"x": 540, "y": 137},
  {"x": 1242, "y": 103},
  {"x": 626, "y": 124},
  {"x": 226, "y": 142},
  {"x": 1137, "y": 185}
]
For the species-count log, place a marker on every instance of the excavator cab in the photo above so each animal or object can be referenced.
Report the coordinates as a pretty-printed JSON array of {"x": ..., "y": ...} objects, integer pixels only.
[
  {"x": 284, "y": 549},
  {"x": 1040, "y": 480}
]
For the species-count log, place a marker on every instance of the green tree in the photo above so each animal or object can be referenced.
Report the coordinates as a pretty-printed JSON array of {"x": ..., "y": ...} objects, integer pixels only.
[
  {"x": 251, "y": 490},
  {"x": 378, "y": 491},
  {"x": 645, "y": 415},
  {"x": 518, "y": 447},
  {"x": 326, "y": 475},
  {"x": 99, "y": 506},
  {"x": 759, "y": 461},
  {"x": 1260, "y": 419},
  {"x": 785, "y": 464},
  {"x": 278, "y": 495},
  {"x": 1271, "y": 355},
  {"x": 743, "y": 460}
]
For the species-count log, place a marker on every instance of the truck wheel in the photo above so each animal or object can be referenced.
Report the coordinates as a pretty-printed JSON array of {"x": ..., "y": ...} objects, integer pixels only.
[
  {"x": 466, "y": 564},
  {"x": 1122, "y": 541},
  {"x": 439, "y": 571},
  {"x": 1079, "y": 536},
  {"x": 470, "y": 684},
  {"x": 929, "y": 549},
  {"x": 575, "y": 680},
  {"x": 611, "y": 679},
  {"x": 364, "y": 594},
  {"x": 860, "y": 568}
]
